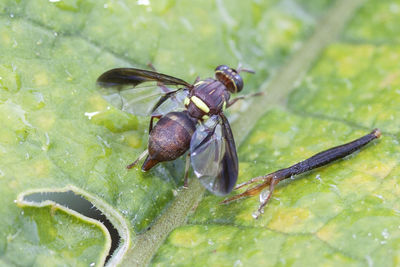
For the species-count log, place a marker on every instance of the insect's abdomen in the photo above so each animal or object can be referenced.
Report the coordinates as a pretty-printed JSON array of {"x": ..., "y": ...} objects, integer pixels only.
[{"x": 170, "y": 138}]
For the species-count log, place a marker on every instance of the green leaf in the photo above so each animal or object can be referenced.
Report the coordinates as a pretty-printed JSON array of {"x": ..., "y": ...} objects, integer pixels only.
[{"x": 58, "y": 134}]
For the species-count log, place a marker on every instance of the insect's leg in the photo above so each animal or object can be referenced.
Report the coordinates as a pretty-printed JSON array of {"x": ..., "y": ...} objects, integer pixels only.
[
  {"x": 164, "y": 88},
  {"x": 234, "y": 100},
  {"x": 253, "y": 190},
  {"x": 151, "y": 122},
  {"x": 251, "y": 181},
  {"x": 151, "y": 66},
  {"x": 187, "y": 166},
  {"x": 264, "y": 202},
  {"x": 144, "y": 154},
  {"x": 197, "y": 80}
]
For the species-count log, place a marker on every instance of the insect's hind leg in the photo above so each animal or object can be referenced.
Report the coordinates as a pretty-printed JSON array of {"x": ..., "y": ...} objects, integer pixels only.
[
  {"x": 133, "y": 164},
  {"x": 264, "y": 202},
  {"x": 187, "y": 167},
  {"x": 152, "y": 121}
]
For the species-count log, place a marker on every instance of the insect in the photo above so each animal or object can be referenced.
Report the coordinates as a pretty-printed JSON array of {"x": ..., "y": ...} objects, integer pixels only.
[
  {"x": 190, "y": 117},
  {"x": 318, "y": 160}
]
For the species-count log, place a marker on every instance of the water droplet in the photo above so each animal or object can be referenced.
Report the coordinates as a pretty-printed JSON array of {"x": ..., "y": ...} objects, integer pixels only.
[
  {"x": 385, "y": 233},
  {"x": 334, "y": 188},
  {"x": 264, "y": 195},
  {"x": 92, "y": 264},
  {"x": 91, "y": 114},
  {"x": 394, "y": 8},
  {"x": 11, "y": 15},
  {"x": 174, "y": 192},
  {"x": 277, "y": 153},
  {"x": 210, "y": 242},
  {"x": 255, "y": 214},
  {"x": 45, "y": 147},
  {"x": 369, "y": 261},
  {"x": 238, "y": 263},
  {"x": 143, "y": 2}
]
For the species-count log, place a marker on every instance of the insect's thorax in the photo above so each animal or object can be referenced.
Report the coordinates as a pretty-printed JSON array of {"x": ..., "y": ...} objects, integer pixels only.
[{"x": 208, "y": 97}]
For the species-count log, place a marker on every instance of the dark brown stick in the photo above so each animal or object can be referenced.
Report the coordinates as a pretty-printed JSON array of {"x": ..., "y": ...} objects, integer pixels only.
[
  {"x": 327, "y": 156},
  {"x": 318, "y": 160}
]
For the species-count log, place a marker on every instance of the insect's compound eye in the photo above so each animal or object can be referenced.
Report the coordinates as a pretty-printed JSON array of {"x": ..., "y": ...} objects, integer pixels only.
[
  {"x": 230, "y": 78},
  {"x": 222, "y": 68}
]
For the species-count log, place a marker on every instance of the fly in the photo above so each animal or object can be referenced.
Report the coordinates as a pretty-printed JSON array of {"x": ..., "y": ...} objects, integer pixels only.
[{"x": 190, "y": 117}]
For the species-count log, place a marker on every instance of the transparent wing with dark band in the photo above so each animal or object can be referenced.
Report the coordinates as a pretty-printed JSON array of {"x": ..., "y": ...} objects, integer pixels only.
[
  {"x": 213, "y": 155},
  {"x": 173, "y": 101},
  {"x": 134, "y": 77},
  {"x": 142, "y": 92}
]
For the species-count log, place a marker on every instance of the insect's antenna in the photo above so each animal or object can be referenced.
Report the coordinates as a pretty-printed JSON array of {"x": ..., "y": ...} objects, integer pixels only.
[
  {"x": 144, "y": 154},
  {"x": 241, "y": 69}
]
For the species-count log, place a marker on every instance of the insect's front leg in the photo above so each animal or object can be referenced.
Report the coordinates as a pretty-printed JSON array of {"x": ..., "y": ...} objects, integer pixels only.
[
  {"x": 234, "y": 100},
  {"x": 196, "y": 80}
]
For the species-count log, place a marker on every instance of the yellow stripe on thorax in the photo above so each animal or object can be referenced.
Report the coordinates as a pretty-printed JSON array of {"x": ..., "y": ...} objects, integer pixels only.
[
  {"x": 200, "y": 104},
  {"x": 186, "y": 102}
]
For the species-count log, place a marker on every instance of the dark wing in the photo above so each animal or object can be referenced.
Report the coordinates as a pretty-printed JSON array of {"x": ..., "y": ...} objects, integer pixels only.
[
  {"x": 213, "y": 155},
  {"x": 142, "y": 92},
  {"x": 134, "y": 77}
]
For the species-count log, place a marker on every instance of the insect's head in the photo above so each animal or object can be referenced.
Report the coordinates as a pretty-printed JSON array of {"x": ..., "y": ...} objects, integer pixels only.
[{"x": 230, "y": 78}]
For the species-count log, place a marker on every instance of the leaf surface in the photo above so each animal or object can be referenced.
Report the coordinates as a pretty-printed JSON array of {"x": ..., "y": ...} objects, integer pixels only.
[{"x": 57, "y": 133}]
